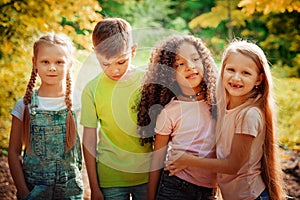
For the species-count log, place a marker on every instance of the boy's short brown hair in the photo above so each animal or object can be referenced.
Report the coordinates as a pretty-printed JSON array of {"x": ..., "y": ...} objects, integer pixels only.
[{"x": 112, "y": 36}]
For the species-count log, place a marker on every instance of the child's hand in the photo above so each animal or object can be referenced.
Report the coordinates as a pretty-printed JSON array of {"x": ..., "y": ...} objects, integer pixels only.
[{"x": 177, "y": 162}]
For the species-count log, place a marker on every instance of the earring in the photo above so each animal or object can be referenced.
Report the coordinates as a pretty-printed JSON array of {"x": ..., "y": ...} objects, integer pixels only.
[{"x": 256, "y": 87}]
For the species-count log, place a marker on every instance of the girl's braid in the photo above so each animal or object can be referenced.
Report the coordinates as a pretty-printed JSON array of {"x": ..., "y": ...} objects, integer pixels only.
[
  {"x": 70, "y": 122},
  {"x": 27, "y": 101}
]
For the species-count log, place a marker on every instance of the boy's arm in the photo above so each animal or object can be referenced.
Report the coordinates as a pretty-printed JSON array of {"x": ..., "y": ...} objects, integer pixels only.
[
  {"x": 89, "y": 143},
  {"x": 157, "y": 163},
  {"x": 15, "y": 157}
]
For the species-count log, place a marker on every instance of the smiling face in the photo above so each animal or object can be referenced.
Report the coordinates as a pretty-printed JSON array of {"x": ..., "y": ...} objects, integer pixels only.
[
  {"x": 240, "y": 76},
  {"x": 52, "y": 64},
  {"x": 189, "y": 69}
]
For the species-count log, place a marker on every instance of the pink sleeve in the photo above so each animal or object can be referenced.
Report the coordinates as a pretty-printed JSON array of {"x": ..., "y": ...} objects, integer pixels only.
[
  {"x": 163, "y": 123},
  {"x": 249, "y": 122}
]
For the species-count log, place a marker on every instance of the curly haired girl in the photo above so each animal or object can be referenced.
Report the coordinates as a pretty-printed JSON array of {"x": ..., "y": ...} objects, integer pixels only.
[{"x": 178, "y": 104}]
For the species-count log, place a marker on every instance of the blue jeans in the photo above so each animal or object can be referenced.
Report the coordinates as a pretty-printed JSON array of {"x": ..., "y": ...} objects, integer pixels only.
[
  {"x": 43, "y": 192},
  {"x": 138, "y": 192},
  {"x": 263, "y": 196},
  {"x": 174, "y": 188}
]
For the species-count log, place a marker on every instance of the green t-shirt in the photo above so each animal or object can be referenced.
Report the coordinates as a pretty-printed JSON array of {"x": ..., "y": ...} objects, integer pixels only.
[{"x": 121, "y": 160}]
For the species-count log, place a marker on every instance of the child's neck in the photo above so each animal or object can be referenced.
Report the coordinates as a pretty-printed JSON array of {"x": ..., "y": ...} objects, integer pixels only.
[
  {"x": 235, "y": 102},
  {"x": 51, "y": 91},
  {"x": 196, "y": 97},
  {"x": 128, "y": 73}
]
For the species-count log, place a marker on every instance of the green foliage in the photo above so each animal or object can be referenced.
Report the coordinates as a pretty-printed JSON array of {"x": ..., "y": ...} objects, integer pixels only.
[
  {"x": 283, "y": 41},
  {"x": 140, "y": 14},
  {"x": 287, "y": 95}
]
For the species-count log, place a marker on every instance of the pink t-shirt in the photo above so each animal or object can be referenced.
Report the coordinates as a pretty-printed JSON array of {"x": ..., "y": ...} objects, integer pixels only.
[
  {"x": 247, "y": 184},
  {"x": 192, "y": 130}
]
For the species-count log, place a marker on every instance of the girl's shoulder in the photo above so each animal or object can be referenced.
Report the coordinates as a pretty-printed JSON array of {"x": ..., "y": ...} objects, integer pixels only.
[
  {"x": 18, "y": 109},
  {"x": 251, "y": 113},
  {"x": 172, "y": 104}
]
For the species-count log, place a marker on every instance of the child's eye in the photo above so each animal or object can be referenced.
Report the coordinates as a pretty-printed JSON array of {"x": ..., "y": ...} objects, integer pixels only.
[
  {"x": 230, "y": 69},
  {"x": 122, "y": 62},
  {"x": 45, "y": 61},
  {"x": 246, "y": 73},
  {"x": 60, "y": 62},
  {"x": 196, "y": 59},
  {"x": 181, "y": 64}
]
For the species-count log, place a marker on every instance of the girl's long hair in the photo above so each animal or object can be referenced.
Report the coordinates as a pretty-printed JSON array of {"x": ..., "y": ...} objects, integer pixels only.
[
  {"x": 160, "y": 84},
  {"x": 262, "y": 98},
  {"x": 52, "y": 39}
]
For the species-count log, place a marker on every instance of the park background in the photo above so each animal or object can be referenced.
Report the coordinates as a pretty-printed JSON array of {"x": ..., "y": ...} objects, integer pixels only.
[{"x": 272, "y": 24}]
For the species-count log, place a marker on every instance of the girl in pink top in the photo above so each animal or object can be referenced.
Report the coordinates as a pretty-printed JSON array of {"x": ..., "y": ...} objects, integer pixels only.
[
  {"x": 178, "y": 99},
  {"x": 247, "y": 163}
]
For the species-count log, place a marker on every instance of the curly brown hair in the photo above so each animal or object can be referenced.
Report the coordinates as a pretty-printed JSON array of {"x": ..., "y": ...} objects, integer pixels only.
[{"x": 160, "y": 85}]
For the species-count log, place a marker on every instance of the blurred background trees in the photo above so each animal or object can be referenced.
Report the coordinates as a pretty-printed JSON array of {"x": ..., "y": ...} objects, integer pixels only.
[{"x": 273, "y": 25}]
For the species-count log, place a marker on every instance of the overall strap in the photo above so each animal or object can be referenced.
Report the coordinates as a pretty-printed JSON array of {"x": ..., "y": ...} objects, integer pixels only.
[
  {"x": 34, "y": 99},
  {"x": 34, "y": 102}
]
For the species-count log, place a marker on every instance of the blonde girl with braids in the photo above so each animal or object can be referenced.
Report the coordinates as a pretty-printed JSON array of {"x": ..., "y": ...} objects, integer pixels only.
[
  {"x": 45, "y": 123},
  {"x": 178, "y": 106},
  {"x": 247, "y": 164}
]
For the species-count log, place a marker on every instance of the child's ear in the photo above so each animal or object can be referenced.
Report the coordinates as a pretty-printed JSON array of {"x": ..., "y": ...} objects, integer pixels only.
[
  {"x": 33, "y": 62},
  {"x": 259, "y": 79},
  {"x": 133, "y": 50}
]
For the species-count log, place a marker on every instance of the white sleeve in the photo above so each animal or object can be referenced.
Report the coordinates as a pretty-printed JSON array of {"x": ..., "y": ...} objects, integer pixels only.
[{"x": 18, "y": 109}]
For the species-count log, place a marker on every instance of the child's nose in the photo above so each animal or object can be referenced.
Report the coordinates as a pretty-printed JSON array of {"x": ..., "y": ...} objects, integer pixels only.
[
  {"x": 191, "y": 65},
  {"x": 52, "y": 67},
  {"x": 237, "y": 76},
  {"x": 116, "y": 70}
]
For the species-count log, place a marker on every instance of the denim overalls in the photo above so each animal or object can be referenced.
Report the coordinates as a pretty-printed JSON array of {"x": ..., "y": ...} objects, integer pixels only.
[{"x": 49, "y": 171}]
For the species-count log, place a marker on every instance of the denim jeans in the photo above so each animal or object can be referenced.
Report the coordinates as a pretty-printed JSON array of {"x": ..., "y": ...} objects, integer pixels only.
[
  {"x": 263, "y": 196},
  {"x": 43, "y": 192},
  {"x": 174, "y": 188},
  {"x": 138, "y": 192}
]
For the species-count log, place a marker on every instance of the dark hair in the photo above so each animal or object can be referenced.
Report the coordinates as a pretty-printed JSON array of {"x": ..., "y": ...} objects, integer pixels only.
[{"x": 159, "y": 85}]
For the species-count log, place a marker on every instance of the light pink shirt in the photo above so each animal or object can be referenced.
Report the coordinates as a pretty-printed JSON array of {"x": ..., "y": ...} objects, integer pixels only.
[
  {"x": 247, "y": 184},
  {"x": 192, "y": 129}
]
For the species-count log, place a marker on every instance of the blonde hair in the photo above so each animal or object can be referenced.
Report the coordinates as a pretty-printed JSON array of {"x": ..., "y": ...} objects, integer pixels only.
[
  {"x": 52, "y": 39},
  {"x": 262, "y": 98}
]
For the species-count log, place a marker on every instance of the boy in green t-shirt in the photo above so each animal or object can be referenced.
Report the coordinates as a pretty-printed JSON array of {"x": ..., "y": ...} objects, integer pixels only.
[{"x": 118, "y": 165}]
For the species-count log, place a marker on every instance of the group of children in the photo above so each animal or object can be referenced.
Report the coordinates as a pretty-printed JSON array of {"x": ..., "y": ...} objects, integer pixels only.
[{"x": 178, "y": 130}]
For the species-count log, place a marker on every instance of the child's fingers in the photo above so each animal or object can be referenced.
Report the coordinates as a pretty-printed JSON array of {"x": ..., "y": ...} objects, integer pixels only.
[{"x": 169, "y": 167}]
